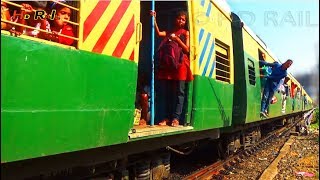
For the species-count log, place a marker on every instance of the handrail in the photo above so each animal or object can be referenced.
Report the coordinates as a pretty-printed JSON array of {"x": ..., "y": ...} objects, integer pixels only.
[
  {"x": 223, "y": 64},
  {"x": 223, "y": 77},
  {"x": 30, "y": 27},
  {"x": 226, "y": 59},
  {"x": 71, "y": 22},
  {"x": 65, "y": 5},
  {"x": 152, "y": 108},
  {"x": 14, "y": 4},
  {"x": 223, "y": 71},
  {"x": 24, "y": 36}
]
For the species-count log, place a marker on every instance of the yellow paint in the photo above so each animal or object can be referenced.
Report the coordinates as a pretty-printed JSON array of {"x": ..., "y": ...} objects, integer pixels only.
[
  {"x": 134, "y": 43},
  {"x": 221, "y": 50},
  {"x": 206, "y": 55},
  {"x": 100, "y": 26},
  {"x": 138, "y": 33},
  {"x": 295, "y": 81},
  {"x": 86, "y": 8},
  {"x": 249, "y": 45},
  {"x": 252, "y": 47},
  {"x": 129, "y": 48},
  {"x": 211, "y": 63},
  {"x": 193, "y": 40},
  {"x": 119, "y": 31},
  {"x": 219, "y": 25},
  {"x": 133, "y": 10}
]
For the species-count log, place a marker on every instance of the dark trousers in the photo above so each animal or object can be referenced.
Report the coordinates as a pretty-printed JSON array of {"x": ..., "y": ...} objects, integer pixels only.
[
  {"x": 304, "y": 105},
  {"x": 266, "y": 96},
  {"x": 170, "y": 97}
]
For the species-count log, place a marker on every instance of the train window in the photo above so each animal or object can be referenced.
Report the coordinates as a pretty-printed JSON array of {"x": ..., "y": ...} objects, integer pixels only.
[
  {"x": 55, "y": 21},
  {"x": 260, "y": 58},
  {"x": 222, "y": 62},
  {"x": 251, "y": 72}
]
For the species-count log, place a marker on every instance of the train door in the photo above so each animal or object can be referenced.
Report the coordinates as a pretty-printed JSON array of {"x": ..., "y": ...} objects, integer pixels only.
[
  {"x": 212, "y": 65},
  {"x": 264, "y": 71},
  {"x": 166, "y": 12}
]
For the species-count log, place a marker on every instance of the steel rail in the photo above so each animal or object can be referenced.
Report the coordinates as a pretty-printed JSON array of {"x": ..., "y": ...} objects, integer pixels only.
[{"x": 223, "y": 167}]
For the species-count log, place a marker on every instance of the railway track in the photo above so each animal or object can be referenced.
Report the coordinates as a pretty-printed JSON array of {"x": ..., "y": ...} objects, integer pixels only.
[
  {"x": 216, "y": 170},
  {"x": 224, "y": 167}
]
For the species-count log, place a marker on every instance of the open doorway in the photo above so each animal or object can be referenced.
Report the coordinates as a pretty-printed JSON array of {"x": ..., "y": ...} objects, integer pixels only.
[
  {"x": 166, "y": 12},
  {"x": 264, "y": 70}
]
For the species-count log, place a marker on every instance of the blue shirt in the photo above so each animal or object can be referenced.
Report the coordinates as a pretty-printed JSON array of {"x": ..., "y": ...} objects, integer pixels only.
[{"x": 277, "y": 73}]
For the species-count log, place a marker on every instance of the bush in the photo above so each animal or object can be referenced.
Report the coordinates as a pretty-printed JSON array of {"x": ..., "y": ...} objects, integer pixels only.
[
  {"x": 316, "y": 116},
  {"x": 315, "y": 119}
]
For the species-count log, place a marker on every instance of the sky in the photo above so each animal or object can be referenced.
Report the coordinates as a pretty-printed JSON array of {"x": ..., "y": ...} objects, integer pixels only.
[{"x": 290, "y": 29}]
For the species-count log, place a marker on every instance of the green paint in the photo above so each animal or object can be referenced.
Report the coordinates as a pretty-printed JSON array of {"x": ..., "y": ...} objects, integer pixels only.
[
  {"x": 240, "y": 87},
  {"x": 247, "y": 97},
  {"x": 56, "y": 100},
  {"x": 212, "y": 103},
  {"x": 276, "y": 108},
  {"x": 189, "y": 104},
  {"x": 253, "y": 91}
]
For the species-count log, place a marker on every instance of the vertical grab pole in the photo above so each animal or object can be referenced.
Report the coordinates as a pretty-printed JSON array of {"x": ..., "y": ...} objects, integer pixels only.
[{"x": 152, "y": 65}]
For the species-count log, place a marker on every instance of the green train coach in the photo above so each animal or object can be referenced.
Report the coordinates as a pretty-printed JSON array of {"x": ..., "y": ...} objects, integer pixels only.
[{"x": 65, "y": 107}]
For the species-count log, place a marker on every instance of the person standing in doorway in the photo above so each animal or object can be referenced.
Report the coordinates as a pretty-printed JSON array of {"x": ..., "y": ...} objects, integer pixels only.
[
  {"x": 172, "y": 81},
  {"x": 265, "y": 72}
]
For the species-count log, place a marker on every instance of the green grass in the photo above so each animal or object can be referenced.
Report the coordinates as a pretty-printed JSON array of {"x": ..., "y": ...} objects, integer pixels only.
[
  {"x": 314, "y": 126},
  {"x": 315, "y": 120}
]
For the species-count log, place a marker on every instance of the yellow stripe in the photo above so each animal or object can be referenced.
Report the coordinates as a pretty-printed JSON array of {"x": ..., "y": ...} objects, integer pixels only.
[
  {"x": 129, "y": 48},
  {"x": 201, "y": 45},
  {"x": 203, "y": 62},
  {"x": 197, "y": 49},
  {"x": 119, "y": 31},
  {"x": 211, "y": 63},
  {"x": 101, "y": 25},
  {"x": 136, "y": 44},
  {"x": 206, "y": 5},
  {"x": 87, "y": 7},
  {"x": 206, "y": 55}
]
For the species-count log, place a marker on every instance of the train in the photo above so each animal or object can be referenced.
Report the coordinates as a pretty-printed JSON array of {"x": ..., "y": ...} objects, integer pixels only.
[{"x": 65, "y": 107}]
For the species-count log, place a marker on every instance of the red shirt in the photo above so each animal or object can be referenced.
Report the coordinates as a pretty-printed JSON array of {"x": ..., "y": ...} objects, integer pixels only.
[
  {"x": 66, "y": 30},
  {"x": 183, "y": 73}
]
